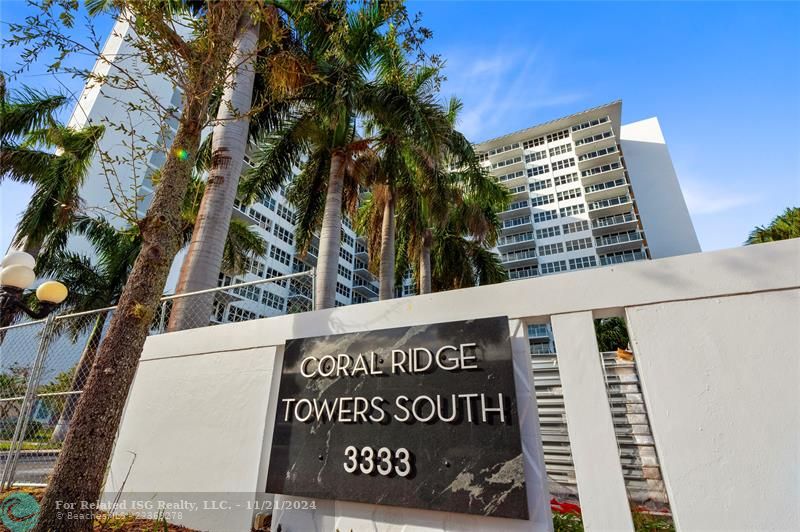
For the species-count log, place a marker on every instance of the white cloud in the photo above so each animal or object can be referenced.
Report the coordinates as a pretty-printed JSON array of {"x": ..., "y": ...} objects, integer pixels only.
[
  {"x": 711, "y": 198},
  {"x": 501, "y": 87}
]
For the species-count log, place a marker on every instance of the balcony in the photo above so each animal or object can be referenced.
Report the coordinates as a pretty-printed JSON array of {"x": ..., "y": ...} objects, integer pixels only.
[
  {"x": 590, "y": 127},
  {"x": 606, "y": 189},
  {"x": 615, "y": 224},
  {"x": 618, "y": 242},
  {"x": 364, "y": 288},
  {"x": 516, "y": 241},
  {"x": 518, "y": 192},
  {"x": 518, "y": 224},
  {"x": 361, "y": 250},
  {"x": 602, "y": 139},
  {"x": 522, "y": 273},
  {"x": 610, "y": 206},
  {"x": 604, "y": 172},
  {"x": 508, "y": 164},
  {"x": 516, "y": 208},
  {"x": 519, "y": 258},
  {"x": 622, "y": 256},
  {"x": 512, "y": 179},
  {"x": 598, "y": 156},
  {"x": 360, "y": 268},
  {"x": 240, "y": 213}
]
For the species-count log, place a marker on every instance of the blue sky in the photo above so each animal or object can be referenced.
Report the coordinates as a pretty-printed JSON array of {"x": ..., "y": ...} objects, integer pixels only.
[{"x": 723, "y": 79}]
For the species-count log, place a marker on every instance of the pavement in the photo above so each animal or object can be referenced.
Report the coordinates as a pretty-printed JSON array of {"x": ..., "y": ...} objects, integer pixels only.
[{"x": 33, "y": 466}]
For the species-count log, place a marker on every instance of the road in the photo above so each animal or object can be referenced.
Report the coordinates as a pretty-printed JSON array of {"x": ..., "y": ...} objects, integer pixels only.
[{"x": 33, "y": 467}]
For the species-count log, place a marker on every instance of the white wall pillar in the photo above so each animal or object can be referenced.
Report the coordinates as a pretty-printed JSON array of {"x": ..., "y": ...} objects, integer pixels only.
[{"x": 598, "y": 471}]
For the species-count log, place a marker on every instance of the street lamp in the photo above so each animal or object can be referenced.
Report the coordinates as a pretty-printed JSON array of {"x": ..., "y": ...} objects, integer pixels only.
[{"x": 16, "y": 274}]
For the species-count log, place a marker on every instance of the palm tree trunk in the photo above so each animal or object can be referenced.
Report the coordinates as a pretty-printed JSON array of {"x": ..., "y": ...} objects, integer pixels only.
[
  {"x": 79, "y": 378},
  {"x": 387, "y": 248},
  {"x": 330, "y": 235},
  {"x": 81, "y": 467},
  {"x": 425, "y": 263},
  {"x": 203, "y": 261}
]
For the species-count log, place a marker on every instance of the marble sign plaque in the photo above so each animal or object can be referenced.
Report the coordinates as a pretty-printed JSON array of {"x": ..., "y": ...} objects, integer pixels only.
[{"x": 422, "y": 417}]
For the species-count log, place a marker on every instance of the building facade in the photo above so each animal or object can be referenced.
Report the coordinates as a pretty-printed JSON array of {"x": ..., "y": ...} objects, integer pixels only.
[
  {"x": 575, "y": 194},
  {"x": 586, "y": 192}
]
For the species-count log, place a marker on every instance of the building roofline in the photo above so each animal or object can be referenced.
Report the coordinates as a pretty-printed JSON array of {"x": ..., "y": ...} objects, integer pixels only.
[{"x": 544, "y": 125}]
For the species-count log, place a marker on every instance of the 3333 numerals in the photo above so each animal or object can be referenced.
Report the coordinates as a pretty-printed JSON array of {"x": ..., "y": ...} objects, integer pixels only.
[{"x": 384, "y": 461}]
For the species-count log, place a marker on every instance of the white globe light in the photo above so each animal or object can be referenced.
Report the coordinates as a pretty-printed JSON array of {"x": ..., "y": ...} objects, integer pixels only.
[
  {"x": 18, "y": 276},
  {"x": 18, "y": 258},
  {"x": 52, "y": 292}
]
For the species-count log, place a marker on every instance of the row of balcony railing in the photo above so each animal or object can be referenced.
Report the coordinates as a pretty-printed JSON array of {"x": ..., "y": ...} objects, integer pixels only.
[
  {"x": 618, "y": 238},
  {"x": 598, "y": 153},
  {"x": 519, "y": 255},
  {"x": 606, "y": 185},
  {"x": 610, "y": 202}
]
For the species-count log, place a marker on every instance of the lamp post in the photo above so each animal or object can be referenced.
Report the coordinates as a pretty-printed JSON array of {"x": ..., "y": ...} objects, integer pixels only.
[{"x": 16, "y": 274}]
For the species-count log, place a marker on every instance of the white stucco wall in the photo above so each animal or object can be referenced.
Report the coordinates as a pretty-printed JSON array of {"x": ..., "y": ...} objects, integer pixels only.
[
  {"x": 665, "y": 218},
  {"x": 724, "y": 401},
  {"x": 725, "y": 419}
]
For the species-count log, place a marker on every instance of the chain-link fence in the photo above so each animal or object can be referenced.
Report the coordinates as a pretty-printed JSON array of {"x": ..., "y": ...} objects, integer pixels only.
[{"x": 44, "y": 364}]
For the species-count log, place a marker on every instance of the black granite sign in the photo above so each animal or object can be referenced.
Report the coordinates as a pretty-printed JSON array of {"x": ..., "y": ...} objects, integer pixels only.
[{"x": 422, "y": 417}]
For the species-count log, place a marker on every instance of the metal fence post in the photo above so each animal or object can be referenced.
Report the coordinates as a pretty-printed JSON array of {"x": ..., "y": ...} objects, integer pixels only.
[
  {"x": 26, "y": 410},
  {"x": 313, "y": 273}
]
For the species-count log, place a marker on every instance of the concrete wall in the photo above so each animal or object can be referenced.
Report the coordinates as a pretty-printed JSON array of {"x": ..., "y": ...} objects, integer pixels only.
[
  {"x": 727, "y": 436},
  {"x": 663, "y": 211}
]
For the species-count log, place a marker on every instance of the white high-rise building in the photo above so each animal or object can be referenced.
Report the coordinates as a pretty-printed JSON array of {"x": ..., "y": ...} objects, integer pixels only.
[{"x": 587, "y": 191}]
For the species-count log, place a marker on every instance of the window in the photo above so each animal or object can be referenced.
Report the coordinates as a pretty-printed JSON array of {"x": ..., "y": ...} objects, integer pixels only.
[
  {"x": 541, "y": 200},
  {"x": 254, "y": 266},
  {"x": 522, "y": 273},
  {"x": 622, "y": 256},
  {"x": 347, "y": 223},
  {"x": 576, "y": 227},
  {"x": 597, "y": 153},
  {"x": 548, "y": 232},
  {"x": 539, "y": 185},
  {"x": 566, "y": 178},
  {"x": 273, "y": 300},
  {"x": 285, "y": 212},
  {"x": 344, "y": 272},
  {"x": 250, "y": 292},
  {"x": 483, "y": 157},
  {"x": 543, "y": 216},
  {"x": 503, "y": 149},
  {"x": 299, "y": 266},
  {"x": 269, "y": 203},
  {"x": 342, "y": 290},
  {"x": 513, "y": 239},
  {"x": 550, "y": 249},
  {"x": 510, "y": 176},
  {"x": 347, "y": 239},
  {"x": 564, "y": 163},
  {"x": 278, "y": 254},
  {"x": 518, "y": 205},
  {"x": 553, "y": 267},
  {"x": 507, "y": 162},
  {"x": 272, "y": 273},
  {"x": 600, "y": 169},
  {"x": 552, "y": 137},
  {"x": 346, "y": 255},
  {"x": 533, "y": 143},
  {"x": 569, "y": 194},
  {"x": 517, "y": 189},
  {"x": 538, "y": 170},
  {"x": 558, "y": 150},
  {"x": 594, "y": 138},
  {"x": 261, "y": 220},
  {"x": 572, "y": 210},
  {"x": 236, "y": 314},
  {"x": 582, "y": 262},
  {"x": 580, "y": 243},
  {"x": 513, "y": 222},
  {"x": 535, "y": 156},
  {"x": 591, "y": 123},
  {"x": 283, "y": 234}
]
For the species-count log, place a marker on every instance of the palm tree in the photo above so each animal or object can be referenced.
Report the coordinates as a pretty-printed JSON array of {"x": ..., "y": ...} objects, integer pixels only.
[
  {"x": 227, "y": 144},
  {"x": 20, "y": 114},
  {"x": 98, "y": 283},
  {"x": 782, "y": 227},
  {"x": 413, "y": 132},
  {"x": 320, "y": 134},
  {"x": 28, "y": 136}
]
